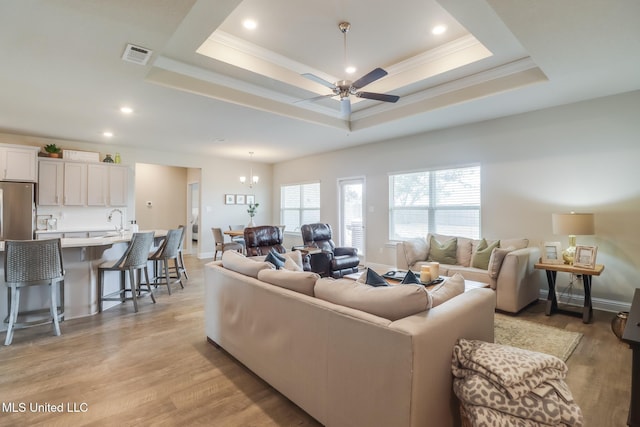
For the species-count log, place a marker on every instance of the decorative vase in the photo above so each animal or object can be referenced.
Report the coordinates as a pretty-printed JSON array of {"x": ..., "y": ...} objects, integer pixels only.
[
  {"x": 618, "y": 323},
  {"x": 251, "y": 224}
]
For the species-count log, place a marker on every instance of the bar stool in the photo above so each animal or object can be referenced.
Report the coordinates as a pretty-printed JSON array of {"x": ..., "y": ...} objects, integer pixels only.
[
  {"x": 33, "y": 263},
  {"x": 167, "y": 251},
  {"x": 181, "y": 267},
  {"x": 133, "y": 261}
]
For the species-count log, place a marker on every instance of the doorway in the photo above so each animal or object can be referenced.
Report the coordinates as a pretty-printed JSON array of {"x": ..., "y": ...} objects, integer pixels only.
[{"x": 352, "y": 214}]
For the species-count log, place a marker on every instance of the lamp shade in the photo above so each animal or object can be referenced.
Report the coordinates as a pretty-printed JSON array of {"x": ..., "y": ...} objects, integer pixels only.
[{"x": 573, "y": 224}]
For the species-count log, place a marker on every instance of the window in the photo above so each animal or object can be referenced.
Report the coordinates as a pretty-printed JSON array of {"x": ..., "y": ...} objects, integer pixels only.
[
  {"x": 442, "y": 201},
  {"x": 299, "y": 204}
]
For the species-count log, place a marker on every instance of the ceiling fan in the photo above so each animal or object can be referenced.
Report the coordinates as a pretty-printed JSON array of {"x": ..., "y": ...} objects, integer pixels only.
[{"x": 345, "y": 88}]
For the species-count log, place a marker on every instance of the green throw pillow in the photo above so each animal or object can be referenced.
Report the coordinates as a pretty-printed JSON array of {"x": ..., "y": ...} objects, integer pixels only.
[
  {"x": 444, "y": 253},
  {"x": 483, "y": 254}
]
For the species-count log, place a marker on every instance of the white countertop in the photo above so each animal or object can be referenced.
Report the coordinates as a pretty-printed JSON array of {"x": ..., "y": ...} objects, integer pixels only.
[{"x": 110, "y": 239}]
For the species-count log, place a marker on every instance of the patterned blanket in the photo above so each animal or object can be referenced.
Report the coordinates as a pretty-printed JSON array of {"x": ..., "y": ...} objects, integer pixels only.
[{"x": 503, "y": 385}]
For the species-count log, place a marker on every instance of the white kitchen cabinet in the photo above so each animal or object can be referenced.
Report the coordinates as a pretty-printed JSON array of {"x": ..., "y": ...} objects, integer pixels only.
[
  {"x": 97, "y": 185},
  {"x": 118, "y": 185},
  {"x": 18, "y": 163},
  {"x": 50, "y": 182},
  {"x": 75, "y": 184}
]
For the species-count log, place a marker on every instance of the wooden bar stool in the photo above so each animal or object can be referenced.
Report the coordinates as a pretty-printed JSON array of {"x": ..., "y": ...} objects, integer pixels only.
[{"x": 33, "y": 263}]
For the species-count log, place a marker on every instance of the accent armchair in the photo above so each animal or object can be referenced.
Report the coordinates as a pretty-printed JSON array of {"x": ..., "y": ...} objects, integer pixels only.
[{"x": 332, "y": 261}]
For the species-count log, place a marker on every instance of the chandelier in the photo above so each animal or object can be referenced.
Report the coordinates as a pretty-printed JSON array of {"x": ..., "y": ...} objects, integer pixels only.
[{"x": 253, "y": 179}]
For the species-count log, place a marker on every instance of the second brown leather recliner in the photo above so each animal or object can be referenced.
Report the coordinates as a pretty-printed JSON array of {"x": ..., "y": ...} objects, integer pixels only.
[{"x": 260, "y": 240}]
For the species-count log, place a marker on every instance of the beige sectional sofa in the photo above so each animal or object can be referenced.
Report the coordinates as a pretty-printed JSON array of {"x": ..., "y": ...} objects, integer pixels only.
[
  {"x": 343, "y": 366},
  {"x": 510, "y": 271}
]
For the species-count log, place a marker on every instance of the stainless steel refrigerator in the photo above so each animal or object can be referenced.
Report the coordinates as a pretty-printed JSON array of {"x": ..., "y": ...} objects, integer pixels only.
[{"x": 17, "y": 210}]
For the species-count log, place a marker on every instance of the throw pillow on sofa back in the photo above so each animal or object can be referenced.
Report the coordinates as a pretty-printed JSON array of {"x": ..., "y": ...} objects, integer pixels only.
[
  {"x": 482, "y": 254},
  {"x": 444, "y": 253}
]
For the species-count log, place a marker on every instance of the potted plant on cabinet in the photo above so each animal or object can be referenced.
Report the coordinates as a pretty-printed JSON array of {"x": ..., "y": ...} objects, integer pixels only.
[
  {"x": 53, "y": 150},
  {"x": 253, "y": 209}
]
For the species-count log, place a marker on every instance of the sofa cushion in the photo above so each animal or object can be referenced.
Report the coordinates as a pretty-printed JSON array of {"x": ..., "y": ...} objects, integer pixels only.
[
  {"x": 451, "y": 287},
  {"x": 299, "y": 281},
  {"x": 480, "y": 258},
  {"x": 416, "y": 250},
  {"x": 291, "y": 265},
  {"x": 237, "y": 262},
  {"x": 495, "y": 261},
  {"x": 516, "y": 243},
  {"x": 274, "y": 258},
  {"x": 445, "y": 252},
  {"x": 390, "y": 302}
]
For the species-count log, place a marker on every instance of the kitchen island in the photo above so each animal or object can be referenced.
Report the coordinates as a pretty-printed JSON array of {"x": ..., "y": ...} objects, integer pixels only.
[{"x": 81, "y": 257}]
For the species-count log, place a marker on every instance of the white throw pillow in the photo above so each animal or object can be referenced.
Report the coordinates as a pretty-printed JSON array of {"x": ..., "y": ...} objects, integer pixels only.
[
  {"x": 451, "y": 287},
  {"x": 237, "y": 262},
  {"x": 416, "y": 250}
]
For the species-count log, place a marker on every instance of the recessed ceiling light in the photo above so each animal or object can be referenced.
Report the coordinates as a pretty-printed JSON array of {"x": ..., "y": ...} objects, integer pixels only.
[
  {"x": 350, "y": 70},
  {"x": 250, "y": 24},
  {"x": 126, "y": 110},
  {"x": 439, "y": 29},
  {"x": 107, "y": 134}
]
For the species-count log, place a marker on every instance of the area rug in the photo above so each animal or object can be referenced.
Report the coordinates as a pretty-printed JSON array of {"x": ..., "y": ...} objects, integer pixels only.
[{"x": 535, "y": 337}]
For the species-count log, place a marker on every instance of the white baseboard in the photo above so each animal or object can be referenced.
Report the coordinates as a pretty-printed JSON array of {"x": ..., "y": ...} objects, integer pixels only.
[
  {"x": 577, "y": 300},
  {"x": 204, "y": 255}
]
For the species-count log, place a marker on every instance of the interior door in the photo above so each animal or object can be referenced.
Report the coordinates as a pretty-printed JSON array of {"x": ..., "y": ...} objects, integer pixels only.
[{"x": 352, "y": 214}]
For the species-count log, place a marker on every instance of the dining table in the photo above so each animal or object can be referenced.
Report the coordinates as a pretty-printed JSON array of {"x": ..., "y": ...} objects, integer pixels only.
[{"x": 234, "y": 233}]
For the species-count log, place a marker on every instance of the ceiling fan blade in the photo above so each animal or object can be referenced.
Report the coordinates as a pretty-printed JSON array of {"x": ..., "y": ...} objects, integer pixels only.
[
  {"x": 371, "y": 77},
  {"x": 317, "y": 79},
  {"x": 314, "y": 99},
  {"x": 345, "y": 107},
  {"x": 378, "y": 96}
]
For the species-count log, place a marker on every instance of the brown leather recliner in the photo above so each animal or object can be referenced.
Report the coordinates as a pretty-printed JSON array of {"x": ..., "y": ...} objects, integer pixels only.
[
  {"x": 332, "y": 261},
  {"x": 260, "y": 240}
]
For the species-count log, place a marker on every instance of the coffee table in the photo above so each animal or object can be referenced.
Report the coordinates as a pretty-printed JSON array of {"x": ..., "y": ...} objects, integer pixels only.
[{"x": 468, "y": 284}]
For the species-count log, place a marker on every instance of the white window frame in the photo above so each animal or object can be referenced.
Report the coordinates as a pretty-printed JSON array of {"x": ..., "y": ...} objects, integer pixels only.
[
  {"x": 431, "y": 207},
  {"x": 300, "y": 209}
]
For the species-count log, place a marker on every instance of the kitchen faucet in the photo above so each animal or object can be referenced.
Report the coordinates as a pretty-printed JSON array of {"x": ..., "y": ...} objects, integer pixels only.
[{"x": 110, "y": 217}]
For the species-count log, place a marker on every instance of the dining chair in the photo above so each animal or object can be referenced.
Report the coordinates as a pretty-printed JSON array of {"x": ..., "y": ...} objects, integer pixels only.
[
  {"x": 133, "y": 261},
  {"x": 33, "y": 263},
  {"x": 238, "y": 239},
  {"x": 221, "y": 246},
  {"x": 167, "y": 252},
  {"x": 182, "y": 269}
]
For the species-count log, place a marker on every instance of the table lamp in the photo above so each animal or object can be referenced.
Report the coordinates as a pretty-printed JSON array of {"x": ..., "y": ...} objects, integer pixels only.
[{"x": 572, "y": 224}]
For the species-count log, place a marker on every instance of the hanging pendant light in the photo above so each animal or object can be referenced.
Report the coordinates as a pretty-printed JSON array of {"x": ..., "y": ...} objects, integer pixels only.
[{"x": 253, "y": 179}]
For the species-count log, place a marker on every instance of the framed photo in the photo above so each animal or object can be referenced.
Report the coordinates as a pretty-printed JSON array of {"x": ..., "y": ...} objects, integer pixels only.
[
  {"x": 585, "y": 256},
  {"x": 251, "y": 199},
  {"x": 240, "y": 200},
  {"x": 229, "y": 199},
  {"x": 552, "y": 253}
]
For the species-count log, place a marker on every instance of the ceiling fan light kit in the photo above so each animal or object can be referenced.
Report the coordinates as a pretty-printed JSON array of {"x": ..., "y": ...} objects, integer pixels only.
[{"x": 345, "y": 88}]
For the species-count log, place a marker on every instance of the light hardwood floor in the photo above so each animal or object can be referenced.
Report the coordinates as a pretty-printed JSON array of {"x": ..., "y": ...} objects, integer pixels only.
[{"x": 156, "y": 368}]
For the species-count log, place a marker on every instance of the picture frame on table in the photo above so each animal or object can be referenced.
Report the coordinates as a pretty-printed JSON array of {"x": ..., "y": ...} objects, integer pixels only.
[
  {"x": 240, "y": 199},
  {"x": 251, "y": 199},
  {"x": 229, "y": 199},
  {"x": 585, "y": 256},
  {"x": 552, "y": 253}
]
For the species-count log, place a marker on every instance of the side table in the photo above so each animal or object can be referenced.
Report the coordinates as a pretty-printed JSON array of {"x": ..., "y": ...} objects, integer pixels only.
[
  {"x": 586, "y": 273},
  {"x": 631, "y": 336}
]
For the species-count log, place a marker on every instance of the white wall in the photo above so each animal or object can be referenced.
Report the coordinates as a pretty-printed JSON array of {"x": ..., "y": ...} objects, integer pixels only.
[
  {"x": 165, "y": 187},
  {"x": 583, "y": 157}
]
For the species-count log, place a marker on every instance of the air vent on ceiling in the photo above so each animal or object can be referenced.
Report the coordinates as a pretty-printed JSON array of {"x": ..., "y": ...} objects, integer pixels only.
[{"x": 136, "y": 54}]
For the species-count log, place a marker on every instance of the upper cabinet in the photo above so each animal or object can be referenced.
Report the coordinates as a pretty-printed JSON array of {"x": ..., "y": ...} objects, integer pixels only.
[
  {"x": 71, "y": 183},
  {"x": 18, "y": 163}
]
